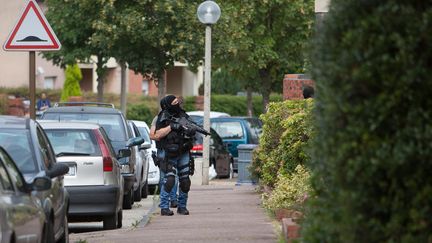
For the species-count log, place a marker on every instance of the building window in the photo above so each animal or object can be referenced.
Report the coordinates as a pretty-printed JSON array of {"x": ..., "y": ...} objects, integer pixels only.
[
  {"x": 145, "y": 87},
  {"x": 49, "y": 82}
]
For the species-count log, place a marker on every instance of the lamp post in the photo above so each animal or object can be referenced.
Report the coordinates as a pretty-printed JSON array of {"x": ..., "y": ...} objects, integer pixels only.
[{"x": 208, "y": 13}]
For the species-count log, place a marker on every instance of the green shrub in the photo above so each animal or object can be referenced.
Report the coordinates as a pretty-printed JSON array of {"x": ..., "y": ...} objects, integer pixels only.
[
  {"x": 3, "y": 104},
  {"x": 372, "y": 155},
  {"x": 71, "y": 85},
  {"x": 283, "y": 143},
  {"x": 140, "y": 112},
  {"x": 290, "y": 192}
]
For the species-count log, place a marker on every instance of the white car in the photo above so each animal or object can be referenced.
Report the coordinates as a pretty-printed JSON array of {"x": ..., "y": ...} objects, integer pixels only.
[
  {"x": 213, "y": 114},
  {"x": 153, "y": 172}
]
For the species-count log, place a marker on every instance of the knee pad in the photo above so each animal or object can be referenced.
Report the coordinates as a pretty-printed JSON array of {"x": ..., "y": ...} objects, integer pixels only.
[
  {"x": 185, "y": 184},
  {"x": 169, "y": 184}
]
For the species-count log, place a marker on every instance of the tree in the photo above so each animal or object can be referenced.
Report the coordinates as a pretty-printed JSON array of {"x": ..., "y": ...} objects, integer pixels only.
[
  {"x": 71, "y": 85},
  {"x": 371, "y": 158},
  {"x": 79, "y": 24},
  {"x": 262, "y": 40}
]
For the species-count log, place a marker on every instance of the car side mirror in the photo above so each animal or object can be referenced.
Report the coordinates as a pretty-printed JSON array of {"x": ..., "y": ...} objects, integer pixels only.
[
  {"x": 59, "y": 169},
  {"x": 145, "y": 145},
  {"x": 134, "y": 141},
  {"x": 41, "y": 184},
  {"x": 122, "y": 153}
]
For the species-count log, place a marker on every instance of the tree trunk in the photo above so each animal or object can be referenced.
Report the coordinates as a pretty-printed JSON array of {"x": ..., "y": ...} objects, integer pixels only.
[
  {"x": 266, "y": 87},
  {"x": 100, "y": 71},
  {"x": 123, "y": 92},
  {"x": 161, "y": 85},
  {"x": 249, "y": 102}
]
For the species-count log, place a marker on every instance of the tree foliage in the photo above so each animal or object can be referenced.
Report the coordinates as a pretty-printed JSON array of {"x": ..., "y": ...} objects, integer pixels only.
[
  {"x": 260, "y": 40},
  {"x": 71, "y": 85},
  {"x": 372, "y": 154}
]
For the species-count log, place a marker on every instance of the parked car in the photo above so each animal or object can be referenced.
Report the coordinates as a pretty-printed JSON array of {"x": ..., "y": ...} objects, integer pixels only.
[
  {"x": 237, "y": 130},
  {"x": 220, "y": 157},
  {"x": 198, "y": 115},
  {"x": 114, "y": 123},
  {"x": 153, "y": 172},
  {"x": 22, "y": 217},
  {"x": 27, "y": 144},
  {"x": 142, "y": 165},
  {"x": 94, "y": 181}
]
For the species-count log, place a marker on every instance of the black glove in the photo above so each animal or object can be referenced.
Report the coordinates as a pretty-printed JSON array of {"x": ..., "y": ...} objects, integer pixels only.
[
  {"x": 190, "y": 132},
  {"x": 175, "y": 126}
]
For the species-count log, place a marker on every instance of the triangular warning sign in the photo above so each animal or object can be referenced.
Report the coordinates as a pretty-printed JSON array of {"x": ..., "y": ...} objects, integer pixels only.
[{"x": 32, "y": 32}]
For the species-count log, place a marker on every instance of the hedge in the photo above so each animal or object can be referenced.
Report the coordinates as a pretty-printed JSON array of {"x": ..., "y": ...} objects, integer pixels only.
[
  {"x": 283, "y": 143},
  {"x": 71, "y": 85},
  {"x": 372, "y": 156}
]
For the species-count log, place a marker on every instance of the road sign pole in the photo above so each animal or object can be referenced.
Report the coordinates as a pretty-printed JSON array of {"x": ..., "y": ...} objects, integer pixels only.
[{"x": 32, "y": 78}]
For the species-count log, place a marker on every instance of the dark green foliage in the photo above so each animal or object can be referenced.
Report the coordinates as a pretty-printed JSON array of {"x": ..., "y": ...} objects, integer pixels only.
[
  {"x": 140, "y": 112},
  {"x": 372, "y": 156},
  {"x": 225, "y": 83},
  {"x": 231, "y": 104},
  {"x": 71, "y": 85}
]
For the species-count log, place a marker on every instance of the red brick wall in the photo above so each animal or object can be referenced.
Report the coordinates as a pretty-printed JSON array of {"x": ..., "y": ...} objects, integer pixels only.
[
  {"x": 293, "y": 86},
  {"x": 135, "y": 84}
]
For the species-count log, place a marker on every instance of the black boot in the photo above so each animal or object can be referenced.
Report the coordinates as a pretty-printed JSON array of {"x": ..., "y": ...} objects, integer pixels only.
[
  {"x": 173, "y": 204},
  {"x": 182, "y": 211},
  {"x": 166, "y": 212}
]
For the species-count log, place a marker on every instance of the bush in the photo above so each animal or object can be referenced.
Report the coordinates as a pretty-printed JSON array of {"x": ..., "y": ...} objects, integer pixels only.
[
  {"x": 283, "y": 143},
  {"x": 290, "y": 191},
  {"x": 71, "y": 85},
  {"x": 372, "y": 155},
  {"x": 140, "y": 112}
]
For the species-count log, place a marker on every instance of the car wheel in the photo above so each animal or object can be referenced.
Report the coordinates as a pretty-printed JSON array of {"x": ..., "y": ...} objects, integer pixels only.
[
  {"x": 145, "y": 190},
  {"x": 119, "y": 219},
  {"x": 65, "y": 236},
  {"x": 128, "y": 200},
  {"x": 137, "y": 193},
  {"x": 110, "y": 222}
]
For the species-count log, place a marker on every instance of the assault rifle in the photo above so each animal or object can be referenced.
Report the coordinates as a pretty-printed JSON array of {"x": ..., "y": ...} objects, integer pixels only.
[{"x": 186, "y": 123}]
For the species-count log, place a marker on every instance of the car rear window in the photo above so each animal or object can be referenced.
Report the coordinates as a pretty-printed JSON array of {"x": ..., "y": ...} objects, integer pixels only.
[
  {"x": 228, "y": 129},
  {"x": 17, "y": 143},
  {"x": 112, "y": 123},
  {"x": 73, "y": 141}
]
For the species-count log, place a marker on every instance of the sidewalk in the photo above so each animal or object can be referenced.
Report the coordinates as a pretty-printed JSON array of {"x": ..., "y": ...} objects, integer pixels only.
[{"x": 220, "y": 212}]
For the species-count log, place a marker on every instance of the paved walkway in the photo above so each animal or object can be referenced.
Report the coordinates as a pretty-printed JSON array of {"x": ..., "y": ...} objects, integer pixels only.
[{"x": 220, "y": 212}]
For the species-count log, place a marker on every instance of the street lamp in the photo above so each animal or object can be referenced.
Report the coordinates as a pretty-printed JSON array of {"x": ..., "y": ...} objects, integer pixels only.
[{"x": 208, "y": 13}]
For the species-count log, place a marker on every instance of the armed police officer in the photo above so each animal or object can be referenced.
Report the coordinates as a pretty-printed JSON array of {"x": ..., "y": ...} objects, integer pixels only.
[{"x": 174, "y": 142}]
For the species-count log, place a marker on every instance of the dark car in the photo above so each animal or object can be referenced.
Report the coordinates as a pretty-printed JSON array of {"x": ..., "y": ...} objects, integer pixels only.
[
  {"x": 114, "y": 123},
  {"x": 27, "y": 144},
  {"x": 220, "y": 157},
  {"x": 21, "y": 213},
  {"x": 237, "y": 130}
]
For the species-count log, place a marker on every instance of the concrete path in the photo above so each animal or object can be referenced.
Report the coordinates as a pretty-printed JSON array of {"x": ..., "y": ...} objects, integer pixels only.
[{"x": 220, "y": 212}]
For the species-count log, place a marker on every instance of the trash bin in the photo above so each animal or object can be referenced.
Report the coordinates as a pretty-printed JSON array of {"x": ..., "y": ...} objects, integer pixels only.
[{"x": 244, "y": 160}]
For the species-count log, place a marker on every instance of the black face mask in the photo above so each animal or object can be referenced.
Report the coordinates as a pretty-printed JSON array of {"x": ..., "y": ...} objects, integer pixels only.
[{"x": 174, "y": 109}]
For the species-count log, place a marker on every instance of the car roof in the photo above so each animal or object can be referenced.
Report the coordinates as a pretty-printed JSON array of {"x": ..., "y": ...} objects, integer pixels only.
[
  {"x": 49, "y": 124},
  {"x": 14, "y": 122},
  {"x": 212, "y": 114},
  {"x": 82, "y": 109}
]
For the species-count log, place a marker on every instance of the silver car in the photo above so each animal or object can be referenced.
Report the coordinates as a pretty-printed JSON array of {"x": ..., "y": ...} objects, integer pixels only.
[
  {"x": 22, "y": 217},
  {"x": 153, "y": 173},
  {"x": 94, "y": 181},
  {"x": 141, "y": 166}
]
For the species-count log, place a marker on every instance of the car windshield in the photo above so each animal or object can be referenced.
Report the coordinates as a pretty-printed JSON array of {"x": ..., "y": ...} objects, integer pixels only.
[
  {"x": 112, "y": 123},
  {"x": 144, "y": 134},
  {"x": 17, "y": 143},
  {"x": 73, "y": 142},
  {"x": 228, "y": 129}
]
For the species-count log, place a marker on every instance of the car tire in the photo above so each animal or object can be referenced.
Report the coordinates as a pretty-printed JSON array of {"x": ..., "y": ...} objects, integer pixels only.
[
  {"x": 145, "y": 190},
  {"x": 110, "y": 222},
  {"x": 65, "y": 236},
  {"x": 120, "y": 219},
  {"x": 128, "y": 200},
  {"x": 137, "y": 193}
]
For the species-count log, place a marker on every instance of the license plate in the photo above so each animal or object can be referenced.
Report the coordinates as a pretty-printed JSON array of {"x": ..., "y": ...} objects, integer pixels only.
[{"x": 72, "y": 170}]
